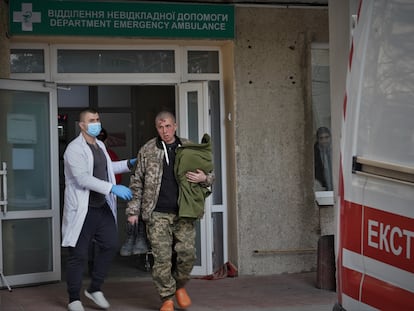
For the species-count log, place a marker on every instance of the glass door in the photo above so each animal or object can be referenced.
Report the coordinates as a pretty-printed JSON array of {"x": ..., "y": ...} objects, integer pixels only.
[
  {"x": 193, "y": 122},
  {"x": 29, "y": 195}
]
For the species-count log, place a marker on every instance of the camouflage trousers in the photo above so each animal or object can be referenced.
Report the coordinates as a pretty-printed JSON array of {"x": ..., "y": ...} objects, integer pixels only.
[{"x": 172, "y": 241}]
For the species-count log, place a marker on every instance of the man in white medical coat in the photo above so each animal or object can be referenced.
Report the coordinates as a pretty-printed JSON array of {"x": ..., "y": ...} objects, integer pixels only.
[{"x": 90, "y": 209}]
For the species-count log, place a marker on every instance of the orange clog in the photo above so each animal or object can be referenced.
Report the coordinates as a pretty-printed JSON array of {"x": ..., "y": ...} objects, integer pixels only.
[
  {"x": 167, "y": 305},
  {"x": 183, "y": 300}
]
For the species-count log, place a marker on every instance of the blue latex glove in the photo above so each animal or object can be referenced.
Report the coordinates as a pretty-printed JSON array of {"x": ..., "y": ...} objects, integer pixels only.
[
  {"x": 133, "y": 161},
  {"x": 122, "y": 192}
]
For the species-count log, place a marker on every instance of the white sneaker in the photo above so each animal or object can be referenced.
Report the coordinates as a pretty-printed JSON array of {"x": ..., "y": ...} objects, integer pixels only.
[
  {"x": 98, "y": 298},
  {"x": 75, "y": 306}
]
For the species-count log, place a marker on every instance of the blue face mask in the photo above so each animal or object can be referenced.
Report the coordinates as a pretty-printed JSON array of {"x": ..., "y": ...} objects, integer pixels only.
[{"x": 94, "y": 129}]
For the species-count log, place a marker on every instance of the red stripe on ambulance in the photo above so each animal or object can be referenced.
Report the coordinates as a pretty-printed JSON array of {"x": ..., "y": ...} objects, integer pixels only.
[
  {"x": 385, "y": 296},
  {"x": 359, "y": 9},
  {"x": 344, "y": 106},
  {"x": 351, "y": 218},
  {"x": 350, "y": 282},
  {"x": 351, "y": 54},
  {"x": 374, "y": 292},
  {"x": 341, "y": 228}
]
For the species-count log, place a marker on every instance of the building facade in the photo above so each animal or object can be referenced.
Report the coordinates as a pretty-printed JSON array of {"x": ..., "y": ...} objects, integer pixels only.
[{"x": 255, "y": 89}]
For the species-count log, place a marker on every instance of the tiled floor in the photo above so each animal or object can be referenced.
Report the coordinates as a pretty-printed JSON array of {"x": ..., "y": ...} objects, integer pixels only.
[{"x": 132, "y": 290}]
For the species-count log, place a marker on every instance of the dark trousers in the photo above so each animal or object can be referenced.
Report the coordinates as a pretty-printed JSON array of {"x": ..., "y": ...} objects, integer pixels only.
[{"x": 99, "y": 226}]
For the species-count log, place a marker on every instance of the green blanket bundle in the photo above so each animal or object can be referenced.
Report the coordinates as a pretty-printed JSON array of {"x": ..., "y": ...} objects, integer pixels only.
[{"x": 190, "y": 157}]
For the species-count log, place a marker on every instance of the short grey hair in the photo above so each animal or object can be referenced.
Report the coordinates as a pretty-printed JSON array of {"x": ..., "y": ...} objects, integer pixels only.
[{"x": 164, "y": 115}]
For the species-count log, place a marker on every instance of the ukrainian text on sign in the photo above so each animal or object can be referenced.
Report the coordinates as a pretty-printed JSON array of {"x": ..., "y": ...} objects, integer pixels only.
[{"x": 121, "y": 19}]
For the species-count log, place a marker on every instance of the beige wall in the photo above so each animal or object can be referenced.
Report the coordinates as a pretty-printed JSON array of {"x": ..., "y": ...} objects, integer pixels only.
[{"x": 274, "y": 140}]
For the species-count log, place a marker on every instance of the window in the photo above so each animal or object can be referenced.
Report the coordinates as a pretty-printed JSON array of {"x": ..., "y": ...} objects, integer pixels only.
[
  {"x": 114, "y": 96},
  {"x": 203, "y": 61},
  {"x": 73, "y": 96},
  {"x": 322, "y": 119},
  {"x": 27, "y": 61},
  {"x": 115, "y": 61}
]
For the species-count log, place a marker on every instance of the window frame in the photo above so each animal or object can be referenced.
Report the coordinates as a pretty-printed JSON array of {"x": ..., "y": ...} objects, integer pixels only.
[
  {"x": 200, "y": 76},
  {"x": 322, "y": 197},
  {"x": 108, "y": 78},
  {"x": 45, "y": 76}
]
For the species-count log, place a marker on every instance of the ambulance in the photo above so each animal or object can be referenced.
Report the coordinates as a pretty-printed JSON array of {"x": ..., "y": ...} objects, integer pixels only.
[{"x": 375, "y": 204}]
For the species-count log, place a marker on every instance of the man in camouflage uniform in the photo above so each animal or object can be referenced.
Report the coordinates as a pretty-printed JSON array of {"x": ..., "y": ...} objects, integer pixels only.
[{"x": 155, "y": 194}]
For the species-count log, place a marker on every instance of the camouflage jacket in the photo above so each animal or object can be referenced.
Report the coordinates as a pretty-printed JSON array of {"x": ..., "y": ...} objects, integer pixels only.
[{"x": 145, "y": 182}]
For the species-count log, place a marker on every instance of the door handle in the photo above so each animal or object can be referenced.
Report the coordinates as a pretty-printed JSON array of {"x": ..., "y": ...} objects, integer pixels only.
[{"x": 3, "y": 189}]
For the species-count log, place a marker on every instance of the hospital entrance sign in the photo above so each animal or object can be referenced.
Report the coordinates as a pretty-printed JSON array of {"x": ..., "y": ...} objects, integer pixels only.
[{"x": 121, "y": 19}]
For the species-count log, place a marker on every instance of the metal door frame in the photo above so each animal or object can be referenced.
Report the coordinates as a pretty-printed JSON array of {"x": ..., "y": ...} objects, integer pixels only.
[{"x": 54, "y": 212}]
